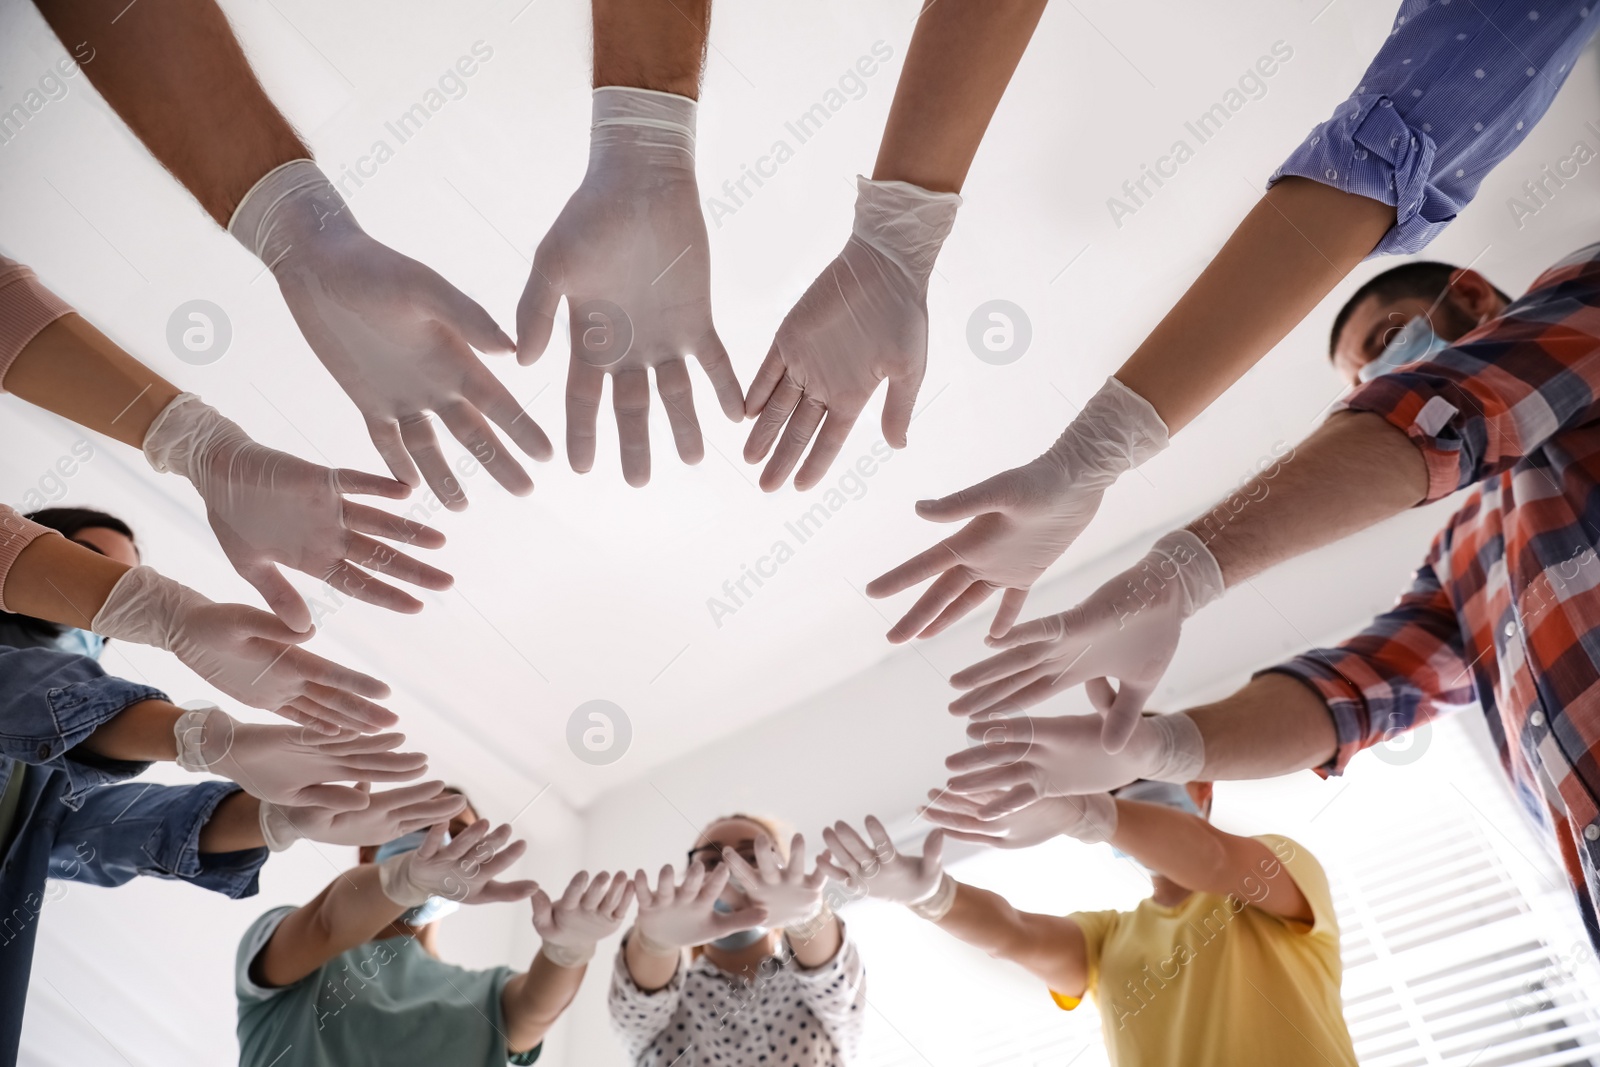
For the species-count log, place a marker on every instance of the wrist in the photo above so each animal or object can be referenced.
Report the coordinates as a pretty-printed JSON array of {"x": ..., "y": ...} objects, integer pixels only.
[
  {"x": 567, "y": 955},
  {"x": 937, "y": 904},
  {"x": 905, "y": 223},
  {"x": 1181, "y": 555},
  {"x": 625, "y": 121},
  {"x": 278, "y": 831},
  {"x": 808, "y": 928},
  {"x": 650, "y": 947},
  {"x": 143, "y": 607},
  {"x": 394, "y": 878},
  {"x": 204, "y": 738},
  {"x": 1091, "y": 818},
  {"x": 185, "y": 434},
  {"x": 1116, "y": 431},
  {"x": 292, "y": 207},
  {"x": 1175, "y": 748}
]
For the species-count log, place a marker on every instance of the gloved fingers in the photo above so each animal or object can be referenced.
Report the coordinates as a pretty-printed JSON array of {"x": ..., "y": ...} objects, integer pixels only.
[
  {"x": 434, "y": 809},
  {"x": 351, "y": 742},
  {"x": 339, "y": 705},
  {"x": 279, "y": 595},
  {"x": 410, "y": 799},
  {"x": 740, "y": 870},
  {"x": 1003, "y": 777},
  {"x": 359, "y": 585},
  {"x": 1006, "y": 694},
  {"x": 543, "y": 910},
  {"x": 502, "y": 892},
  {"x": 381, "y": 767},
  {"x": 617, "y": 897},
  {"x": 1045, "y": 629},
  {"x": 770, "y": 420},
  {"x": 834, "y": 870},
  {"x": 536, "y": 311},
  {"x": 933, "y": 851},
  {"x": 423, "y": 446},
  {"x": 796, "y": 866},
  {"x": 239, "y": 623},
  {"x": 332, "y": 797},
  {"x": 630, "y": 400},
  {"x": 765, "y": 383},
  {"x": 677, "y": 395},
  {"x": 321, "y": 721},
  {"x": 460, "y": 845},
  {"x": 641, "y": 890},
  {"x": 992, "y": 840},
  {"x": 951, "y": 586},
  {"x": 1004, "y": 664},
  {"x": 503, "y": 856},
  {"x": 459, "y": 313},
  {"x": 667, "y": 880},
  {"x": 808, "y": 414},
  {"x": 472, "y": 430},
  {"x": 860, "y": 853},
  {"x": 379, "y": 523},
  {"x": 595, "y": 892},
  {"x": 996, "y": 493},
  {"x": 1001, "y": 745},
  {"x": 434, "y": 841},
  {"x": 1123, "y": 715},
  {"x": 899, "y": 405},
  {"x": 713, "y": 359},
  {"x": 1011, "y": 602},
  {"x": 882, "y": 843},
  {"x": 830, "y": 441},
  {"x": 725, "y": 923},
  {"x": 347, "y": 481},
  {"x": 914, "y": 571},
  {"x": 950, "y": 819},
  {"x": 837, "y": 857},
  {"x": 584, "y": 385},
  {"x": 573, "y": 894},
  {"x": 711, "y": 884},
  {"x": 385, "y": 434},
  {"x": 338, "y": 679},
  {"x": 377, "y": 556},
  {"x": 970, "y": 598},
  {"x": 485, "y": 392}
]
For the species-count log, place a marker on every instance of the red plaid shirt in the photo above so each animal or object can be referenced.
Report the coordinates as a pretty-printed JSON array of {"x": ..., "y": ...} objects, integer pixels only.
[{"x": 1506, "y": 608}]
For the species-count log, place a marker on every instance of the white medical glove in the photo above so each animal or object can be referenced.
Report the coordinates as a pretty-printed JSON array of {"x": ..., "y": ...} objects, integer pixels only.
[
  {"x": 1127, "y": 629},
  {"x": 676, "y": 914},
  {"x": 243, "y": 651},
  {"x": 1025, "y": 758},
  {"x": 784, "y": 890},
  {"x": 268, "y": 507},
  {"x": 1089, "y": 818},
  {"x": 864, "y": 319},
  {"x": 395, "y": 335},
  {"x": 629, "y": 252},
  {"x": 388, "y": 815},
  {"x": 288, "y": 765},
  {"x": 463, "y": 870},
  {"x": 878, "y": 869},
  {"x": 587, "y": 913},
  {"x": 1023, "y": 519}
]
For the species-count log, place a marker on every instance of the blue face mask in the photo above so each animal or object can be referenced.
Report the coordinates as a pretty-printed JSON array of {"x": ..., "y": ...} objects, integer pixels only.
[
  {"x": 1412, "y": 343},
  {"x": 1167, "y": 794},
  {"x": 743, "y": 938},
  {"x": 81, "y": 642},
  {"x": 434, "y": 907}
]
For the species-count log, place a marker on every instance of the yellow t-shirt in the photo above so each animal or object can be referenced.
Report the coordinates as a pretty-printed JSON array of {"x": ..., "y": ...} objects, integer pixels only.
[{"x": 1218, "y": 982}]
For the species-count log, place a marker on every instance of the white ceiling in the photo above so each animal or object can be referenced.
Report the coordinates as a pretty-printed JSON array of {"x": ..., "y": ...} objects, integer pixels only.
[{"x": 590, "y": 589}]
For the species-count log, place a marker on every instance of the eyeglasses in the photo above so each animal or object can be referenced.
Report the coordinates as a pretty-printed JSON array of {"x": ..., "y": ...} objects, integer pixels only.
[{"x": 710, "y": 855}]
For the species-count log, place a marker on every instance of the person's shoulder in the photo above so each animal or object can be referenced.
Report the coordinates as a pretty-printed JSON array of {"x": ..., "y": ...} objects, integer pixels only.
[{"x": 255, "y": 939}]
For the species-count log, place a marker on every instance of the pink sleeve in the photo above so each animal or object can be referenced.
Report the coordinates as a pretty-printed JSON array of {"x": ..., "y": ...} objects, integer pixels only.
[
  {"x": 26, "y": 307},
  {"x": 16, "y": 534}
]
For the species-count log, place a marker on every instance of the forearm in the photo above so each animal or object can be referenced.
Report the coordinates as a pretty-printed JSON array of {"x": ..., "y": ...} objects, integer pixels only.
[
  {"x": 533, "y": 1000},
  {"x": 649, "y": 970},
  {"x": 143, "y": 733},
  {"x": 351, "y": 911},
  {"x": 1296, "y": 244},
  {"x": 1184, "y": 847},
  {"x": 235, "y": 825},
  {"x": 75, "y": 371},
  {"x": 1274, "y": 725},
  {"x": 177, "y": 76},
  {"x": 961, "y": 59},
  {"x": 651, "y": 44},
  {"x": 821, "y": 947},
  {"x": 1354, "y": 471},
  {"x": 60, "y": 581}
]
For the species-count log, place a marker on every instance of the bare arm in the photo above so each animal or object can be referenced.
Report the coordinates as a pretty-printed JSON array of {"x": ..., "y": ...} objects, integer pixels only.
[
  {"x": 533, "y": 1000},
  {"x": 235, "y": 825},
  {"x": 961, "y": 59},
  {"x": 649, "y": 971},
  {"x": 651, "y": 44},
  {"x": 1274, "y": 725},
  {"x": 350, "y": 911},
  {"x": 75, "y": 371},
  {"x": 1203, "y": 859},
  {"x": 819, "y": 948},
  {"x": 1050, "y": 947},
  {"x": 61, "y": 581},
  {"x": 1296, "y": 244},
  {"x": 176, "y": 75},
  {"x": 1354, "y": 471}
]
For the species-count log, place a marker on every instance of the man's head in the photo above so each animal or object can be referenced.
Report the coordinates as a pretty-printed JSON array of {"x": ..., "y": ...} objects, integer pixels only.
[{"x": 1453, "y": 300}]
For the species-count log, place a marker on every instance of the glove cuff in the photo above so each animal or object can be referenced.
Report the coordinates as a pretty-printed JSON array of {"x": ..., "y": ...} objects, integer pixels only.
[
  {"x": 653, "y": 948},
  {"x": 938, "y": 904},
  {"x": 143, "y": 607},
  {"x": 277, "y": 830},
  {"x": 1097, "y": 817},
  {"x": 204, "y": 737},
  {"x": 806, "y": 929},
  {"x": 185, "y": 433},
  {"x": 1180, "y": 748},
  {"x": 625, "y": 117},
  {"x": 1182, "y": 555},
  {"x": 394, "y": 878},
  {"x": 291, "y": 203},
  {"x": 905, "y": 222},
  {"x": 566, "y": 955},
  {"x": 1116, "y": 431}
]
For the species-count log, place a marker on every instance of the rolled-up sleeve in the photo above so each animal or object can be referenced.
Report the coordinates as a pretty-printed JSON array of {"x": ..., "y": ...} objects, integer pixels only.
[
  {"x": 122, "y": 832},
  {"x": 26, "y": 307},
  {"x": 1454, "y": 89},
  {"x": 50, "y": 702},
  {"x": 1500, "y": 393},
  {"x": 17, "y": 532},
  {"x": 1404, "y": 670}
]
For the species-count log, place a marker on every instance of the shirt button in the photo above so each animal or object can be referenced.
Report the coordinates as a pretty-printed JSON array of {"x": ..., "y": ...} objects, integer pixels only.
[
  {"x": 1511, "y": 629},
  {"x": 1537, "y": 718},
  {"x": 1591, "y": 832},
  {"x": 44, "y": 752}
]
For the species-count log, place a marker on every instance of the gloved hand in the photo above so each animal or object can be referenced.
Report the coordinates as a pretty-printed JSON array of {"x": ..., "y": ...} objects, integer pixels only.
[
  {"x": 1023, "y": 519},
  {"x": 878, "y": 869},
  {"x": 268, "y": 507},
  {"x": 784, "y": 890},
  {"x": 864, "y": 319},
  {"x": 463, "y": 870},
  {"x": 246, "y": 653},
  {"x": 388, "y": 815},
  {"x": 396, "y": 336},
  {"x": 1029, "y": 757},
  {"x": 679, "y": 914},
  {"x": 1127, "y": 629},
  {"x": 285, "y": 765},
  {"x": 1089, "y": 818},
  {"x": 629, "y": 251},
  {"x": 587, "y": 913}
]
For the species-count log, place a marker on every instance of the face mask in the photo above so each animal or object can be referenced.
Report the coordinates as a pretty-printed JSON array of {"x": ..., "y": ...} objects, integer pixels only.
[
  {"x": 1413, "y": 343},
  {"x": 81, "y": 642},
  {"x": 743, "y": 938},
  {"x": 1167, "y": 794},
  {"x": 433, "y": 908}
]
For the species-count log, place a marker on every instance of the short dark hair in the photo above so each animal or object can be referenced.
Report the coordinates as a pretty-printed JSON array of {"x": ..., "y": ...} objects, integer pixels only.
[
  {"x": 1425, "y": 278},
  {"x": 68, "y": 522}
]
